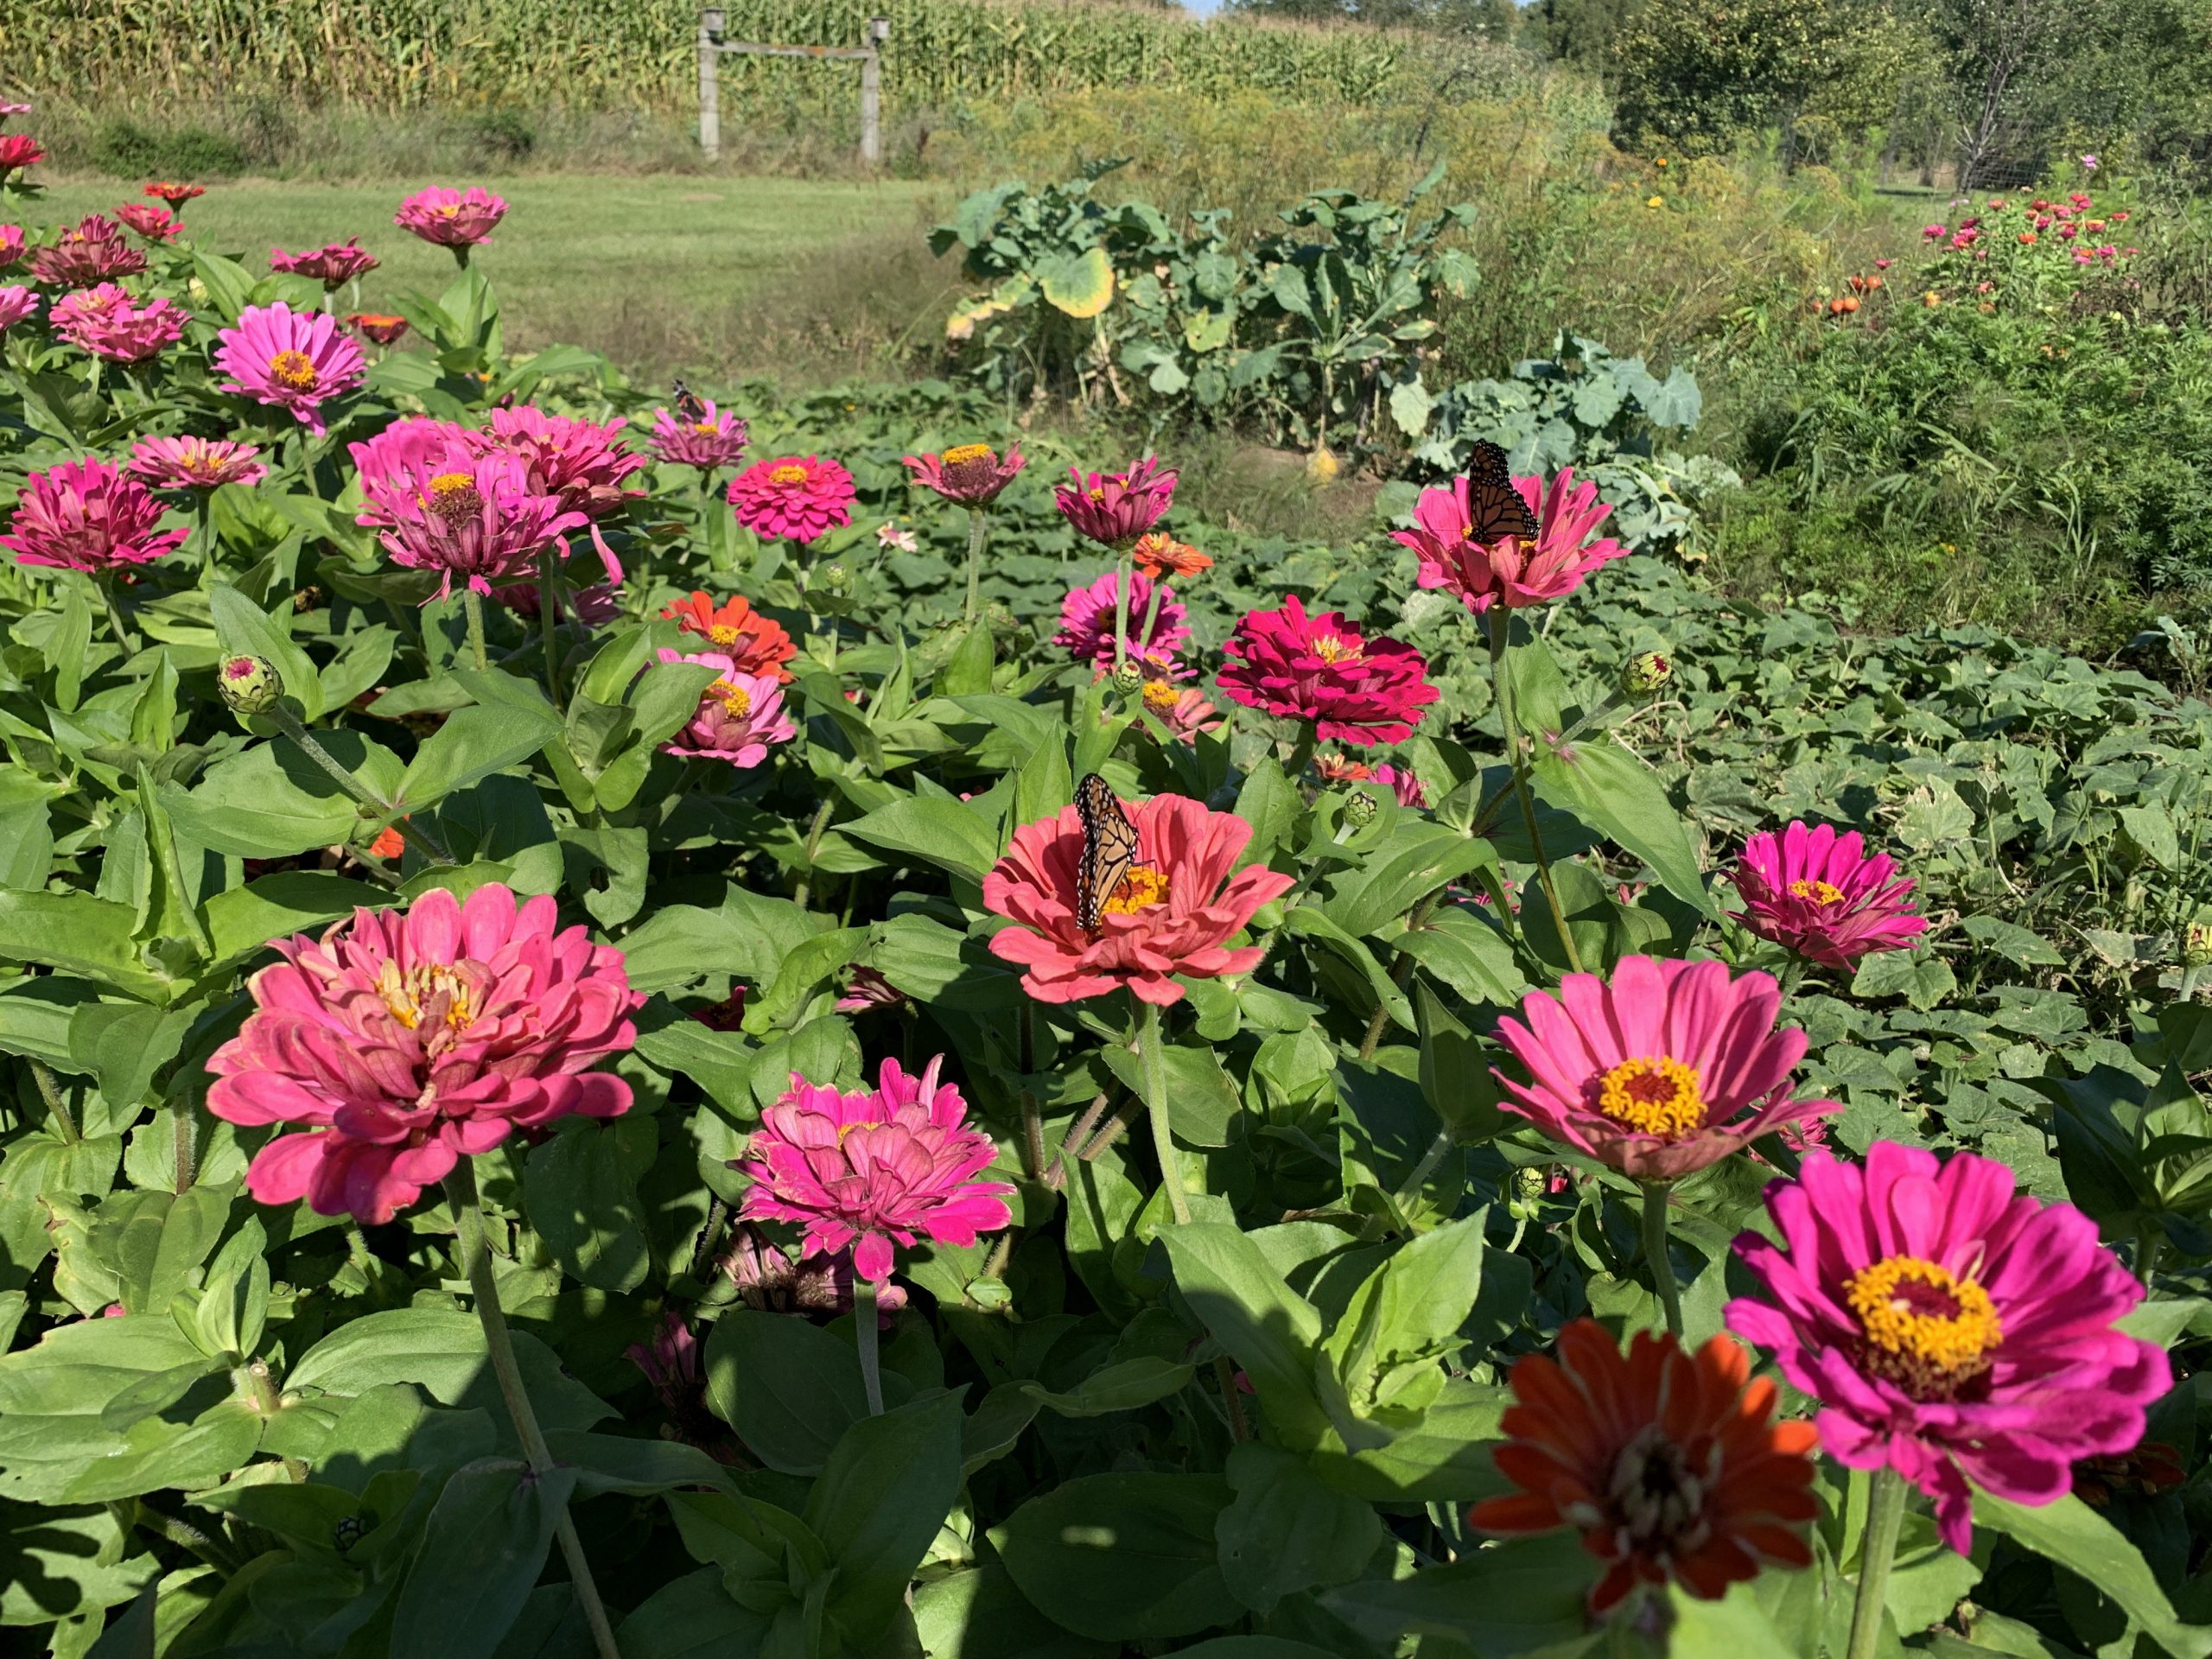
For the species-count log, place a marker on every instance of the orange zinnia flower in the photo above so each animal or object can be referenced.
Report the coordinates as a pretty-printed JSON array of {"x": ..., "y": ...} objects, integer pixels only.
[
  {"x": 1669, "y": 1466},
  {"x": 756, "y": 643},
  {"x": 1161, "y": 554},
  {"x": 389, "y": 844}
]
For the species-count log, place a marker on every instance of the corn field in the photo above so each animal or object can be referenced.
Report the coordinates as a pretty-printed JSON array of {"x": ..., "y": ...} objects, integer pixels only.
[{"x": 639, "y": 54}]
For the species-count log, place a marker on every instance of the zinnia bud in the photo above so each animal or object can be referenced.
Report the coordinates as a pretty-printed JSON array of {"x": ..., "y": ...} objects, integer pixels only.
[
  {"x": 2196, "y": 942},
  {"x": 1128, "y": 679},
  {"x": 250, "y": 685},
  {"x": 1360, "y": 808},
  {"x": 1647, "y": 673}
]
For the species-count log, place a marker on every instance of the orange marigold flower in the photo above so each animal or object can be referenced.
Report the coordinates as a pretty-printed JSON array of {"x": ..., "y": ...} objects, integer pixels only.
[
  {"x": 1666, "y": 1461},
  {"x": 756, "y": 643},
  {"x": 1160, "y": 554}
]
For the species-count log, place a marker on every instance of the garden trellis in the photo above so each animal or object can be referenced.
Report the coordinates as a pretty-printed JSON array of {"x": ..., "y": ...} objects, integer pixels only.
[{"x": 712, "y": 46}]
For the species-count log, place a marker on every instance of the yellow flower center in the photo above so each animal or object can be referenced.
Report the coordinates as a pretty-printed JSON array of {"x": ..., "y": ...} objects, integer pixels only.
[
  {"x": 736, "y": 701},
  {"x": 1926, "y": 1329},
  {"x": 1142, "y": 887},
  {"x": 448, "y": 210},
  {"x": 1656, "y": 1097},
  {"x": 705, "y": 428},
  {"x": 1161, "y": 698},
  {"x": 1330, "y": 649},
  {"x": 967, "y": 451},
  {"x": 453, "y": 497},
  {"x": 293, "y": 369},
  {"x": 844, "y": 1129},
  {"x": 722, "y": 634},
  {"x": 1099, "y": 496},
  {"x": 443, "y": 993},
  {"x": 792, "y": 474},
  {"x": 1821, "y": 893}
]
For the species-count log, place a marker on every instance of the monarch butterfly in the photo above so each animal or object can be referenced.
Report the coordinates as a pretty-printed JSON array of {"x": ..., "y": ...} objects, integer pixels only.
[
  {"x": 688, "y": 409},
  {"x": 1110, "y": 849},
  {"x": 1494, "y": 507}
]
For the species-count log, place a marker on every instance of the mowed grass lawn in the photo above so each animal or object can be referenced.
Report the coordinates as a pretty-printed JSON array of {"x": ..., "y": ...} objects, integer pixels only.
[{"x": 657, "y": 273}]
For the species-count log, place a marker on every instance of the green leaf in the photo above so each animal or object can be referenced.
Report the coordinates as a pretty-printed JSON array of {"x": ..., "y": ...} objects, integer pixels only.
[
  {"x": 1308, "y": 922},
  {"x": 285, "y": 902},
  {"x": 1267, "y": 803},
  {"x": 1525, "y": 1595},
  {"x": 2076, "y": 1537},
  {"x": 693, "y": 1617},
  {"x": 1286, "y": 1531},
  {"x": 1272, "y": 1330},
  {"x": 790, "y": 1389},
  {"x": 1122, "y": 1557},
  {"x": 580, "y": 1186},
  {"x": 243, "y": 629},
  {"x": 1405, "y": 1315},
  {"x": 1201, "y": 1100},
  {"x": 483, "y": 1545},
  {"x": 273, "y": 801},
  {"x": 58, "y": 1563},
  {"x": 1921, "y": 977},
  {"x": 881, "y": 1497},
  {"x": 1455, "y": 1075},
  {"x": 967, "y": 671},
  {"x": 77, "y": 934},
  {"x": 443, "y": 1351},
  {"x": 1079, "y": 284},
  {"x": 474, "y": 742},
  {"x": 1122, "y": 1387},
  {"x": 1610, "y": 790},
  {"x": 1417, "y": 860},
  {"x": 935, "y": 831},
  {"x": 979, "y": 1614},
  {"x": 155, "y": 1241}
]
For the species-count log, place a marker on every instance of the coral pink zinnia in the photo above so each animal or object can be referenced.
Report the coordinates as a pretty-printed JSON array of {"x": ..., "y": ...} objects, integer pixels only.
[
  {"x": 1951, "y": 1331},
  {"x": 970, "y": 473},
  {"x": 716, "y": 439},
  {"x": 1666, "y": 1068},
  {"x": 1821, "y": 895},
  {"x": 873, "y": 1167},
  {"x": 1087, "y": 622},
  {"x": 1321, "y": 668},
  {"x": 289, "y": 359},
  {"x": 84, "y": 515},
  {"x": 1173, "y": 913},
  {"x": 153, "y": 223},
  {"x": 334, "y": 264},
  {"x": 107, "y": 322},
  {"x": 452, "y": 219},
  {"x": 740, "y": 715},
  {"x": 795, "y": 498},
  {"x": 92, "y": 251},
  {"x": 1508, "y": 569},
  {"x": 195, "y": 463},
  {"x": 402, "y": 1040},
  {"x": 1114, "y": 509}
]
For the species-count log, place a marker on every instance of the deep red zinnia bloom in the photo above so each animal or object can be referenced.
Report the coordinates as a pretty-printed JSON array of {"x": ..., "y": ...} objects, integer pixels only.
[
  {"x": 18, "y": 149},
  {"x": 176, "y": 195},
  {"x": 1323, "y": 669}
]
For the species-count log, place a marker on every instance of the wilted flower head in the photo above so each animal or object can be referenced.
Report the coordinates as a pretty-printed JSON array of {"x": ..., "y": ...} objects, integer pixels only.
[
  {"x": 1087, "y": 622},
  {"x": 154, "y": 224},
  {"x": 1510, "y": 570},
  {"x": 795, "y": 498},
  {"x": 1823, "y": 896},
  {"x": 402, "y": 1040},
  {"x": 873, "y": 1168},
  {"x": 716, "y": 439},
  {"x": 972, "y": 474},
  {"x": 1322, "y": 669},
  {"x": 1403, "y": 785},
  {"x": 866, "y": 989},
  {"x": 753, "y": 643},
  {"x": 452, "y": 219},
  {"x": 377, "y": 325},
  {"x": 289, "y": 359},
  {"x": 1952, "y": 1331},
  {"x": 334, "y": 264},
  {"x": 107, "y": 322},
  {"x": 1114, "y": 509},
  {"x": 767, "y": 1280},
  {"x": 84, "y": 515},
  {"x": 1172, "y": 913},
  {"x": 740, "y": 715},
  {"x": 1667, "y": 1067},
  {"x": 195, "y": 463},
  {"x": 92, "y": 251},
  {"x": 1668, "y": 1462}
]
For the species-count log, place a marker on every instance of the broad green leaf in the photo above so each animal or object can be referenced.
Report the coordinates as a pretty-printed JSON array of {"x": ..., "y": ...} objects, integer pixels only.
[
  {"x": 2076, "y": 1537},
  {"x": 243, "y": 629},
  {"x": 580, "y": 1187},
  {"x": 791, "y": 1390},
  {"x": 935, "y": 831},
  {"x": 1080, "y": 284},
  {"x": 1286, "y": 1531},
  {"x": 885, "y": 1490},
  {"x": 1271, "y": 1329},
  {"x": 1122, "y": 1386},
  {"x": 57, "y": 1563},
  {"x": 1611, "y": 789},
  {"x": 1122, "y": 1557},
  {"x": 485, "y": 1545}
]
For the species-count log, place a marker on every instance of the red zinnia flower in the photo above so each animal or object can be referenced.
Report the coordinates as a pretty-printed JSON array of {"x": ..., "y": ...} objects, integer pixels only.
[
  {"x": 1668, "y": 1463},
  {"x": 756, "y": 644},
  {"x": 176, "y": 195},
  {"x": 18, "y": 149},
  {"x": 1323, "y": 669}
]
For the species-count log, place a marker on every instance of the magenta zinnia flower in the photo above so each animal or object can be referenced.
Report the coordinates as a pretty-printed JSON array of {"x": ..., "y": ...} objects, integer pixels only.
[
  {"x": 1115, "y": 509},
  {"x": 1821, "y": 895},
  {"x": 195, "y": 463},
  {"x": 15, "y": 304},
  {"x": 1952, "y": 1331},
  {"x": 289, "y": 359},
  {"x": 107, "y": 322},
  {"x": 796, "y": 498},
  {"x": 1087, "y": 622},
  {"x": 740, "y": 715},
  {"x": 405, "y": 1039},
  {"x": 414, "y": 442},
  {"x": 873, "y": 1167},
  {"x": 462, "y": 514},
  {"x": 84, "y": 515},
  {"x": 1322, "y": 669},
  {"x": 717, "y": 440},
  {"x": 12, "y": 245},
  {"x": 152, "y": 221},
  {"x": 583, "y": 462},
  {"x": 333, "y": 265},
  {"x": 1403, "y": 785},
  {"x": 18, "y": 149},
  {"x": 971, "y": 474},
  {"x": 452, "y": 219},
  {"x": 1508, "y": 569},
  {"x": 92, "y": 251},
  {"x": 1667, "y": 1067}
]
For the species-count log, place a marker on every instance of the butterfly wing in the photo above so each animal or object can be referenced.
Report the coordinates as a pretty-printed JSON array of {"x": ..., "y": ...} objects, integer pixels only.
[
  {"x": 1110, "y": 849},
  {"x": 1495, "y": 508},
  {"x": 688, "y": 409}
]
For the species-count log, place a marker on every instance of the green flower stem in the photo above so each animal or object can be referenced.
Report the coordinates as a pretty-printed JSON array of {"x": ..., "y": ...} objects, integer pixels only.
[
  {"x": 183, "y": 1129},
  {"x": 1410, "y": 1189},
  {"x": 979, "y": 521},
  {"x": 1122, "y": 608},
  {"x": 548, "y": 587},
  {"x": 2150, "y": 1244},
  {"x": 1224, "y": 1374},
  {"x": 461, "y": 1192},
  {"x": 1884, "y": 1518},
  {"x": 814, "y": 845},
  {"x": 864, "y": 1338},
  {"x": 294, "y": 728},
  {"x": 57, "y": 1105},
  {"x": 471, "y": 605},
  {"x": 1151, "y": 611},
  {"x": 1155, "y": 1105},
  {"x": 1301, "y": 751},
  {"x": 1032, "y": 1121},
  {"x": 1401, "y": 971},
  {"x": 124, "y": 637},
  {"x": 1655, "y": 1252},
  {"x": 135, "y": 1511},
  {"x": 1499, "y": 623}
]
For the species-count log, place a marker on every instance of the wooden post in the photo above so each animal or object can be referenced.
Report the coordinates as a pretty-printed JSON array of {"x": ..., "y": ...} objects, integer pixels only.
[
  {"x": 872, "y": 93},
  {"x": 710, "y": 102}
]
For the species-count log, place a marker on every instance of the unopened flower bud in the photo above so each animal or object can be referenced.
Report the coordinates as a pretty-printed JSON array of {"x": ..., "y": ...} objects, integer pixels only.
[
  {"x": 2196, "y": 942},
  {"x": 1128, "y": 679},
  {"x": 1360, "y": 808},
  {"x": 1647, "y": 673},
  {"x": 250, "y": 685},
  {"x": 1528, "y": 1183}
]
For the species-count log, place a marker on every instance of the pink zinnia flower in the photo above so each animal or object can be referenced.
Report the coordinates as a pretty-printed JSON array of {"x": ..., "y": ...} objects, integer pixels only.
[
  {"x": 1821, "y": 895},
  {"x": 583, "y": 462},
  {"x": 1114, "y": 509},
  {"x": 107, "y": 322},
  {"x": 92, "y": 251},
  {"x": 717, "y": 439},
  {"x": 671, "y": 1364},
  {"x": 1951, "y": 1331},
  {"x": 18, "y": 149},
  {"x": 793, "y": 498},
  {"x": 873, "y": 1168},
  {"x": 195, "y": 463},
  {"x": 740, "y": 715},
  {"x": 1667, "y": 1067},
  {"x": 452, "y": 219},
  {"x": 1087, "y": 621},
  {"x": 1323, "y": 669},
  {"x": 84, "y": 515},
  {"x": 15, "y": 304},
  {"x": 1173, "y": 913},
  {"x": 1402, "y": 784},
  {"x": 7, "y": 108},
  {"x": 971, "y": 473},
  {"x": 1508, "y": 571},
  {"x": 463, "y": 513},
  {"x": 867, "y": 989},
  {"x": 1184, "y": 713},
  {"x": 414, "y": 442},
  {"x": 289, "y": 359},
  {"x": 154, "y": 224},
  {"x": 12, "y": 245},
  {"x": 403, "y": 1039},
  {"x": 333, "y": 265}
]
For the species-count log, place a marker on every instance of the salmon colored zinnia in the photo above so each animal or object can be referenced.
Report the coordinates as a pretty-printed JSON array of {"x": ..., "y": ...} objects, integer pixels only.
[
  {"x": 1668, "y": 1462},
  {"x": 756, "y": 644},
  {"x": 1509, "y": 570}
]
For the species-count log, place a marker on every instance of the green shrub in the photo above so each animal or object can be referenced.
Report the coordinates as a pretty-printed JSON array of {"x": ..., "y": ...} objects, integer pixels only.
[{"x": 128, "y": 149}]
